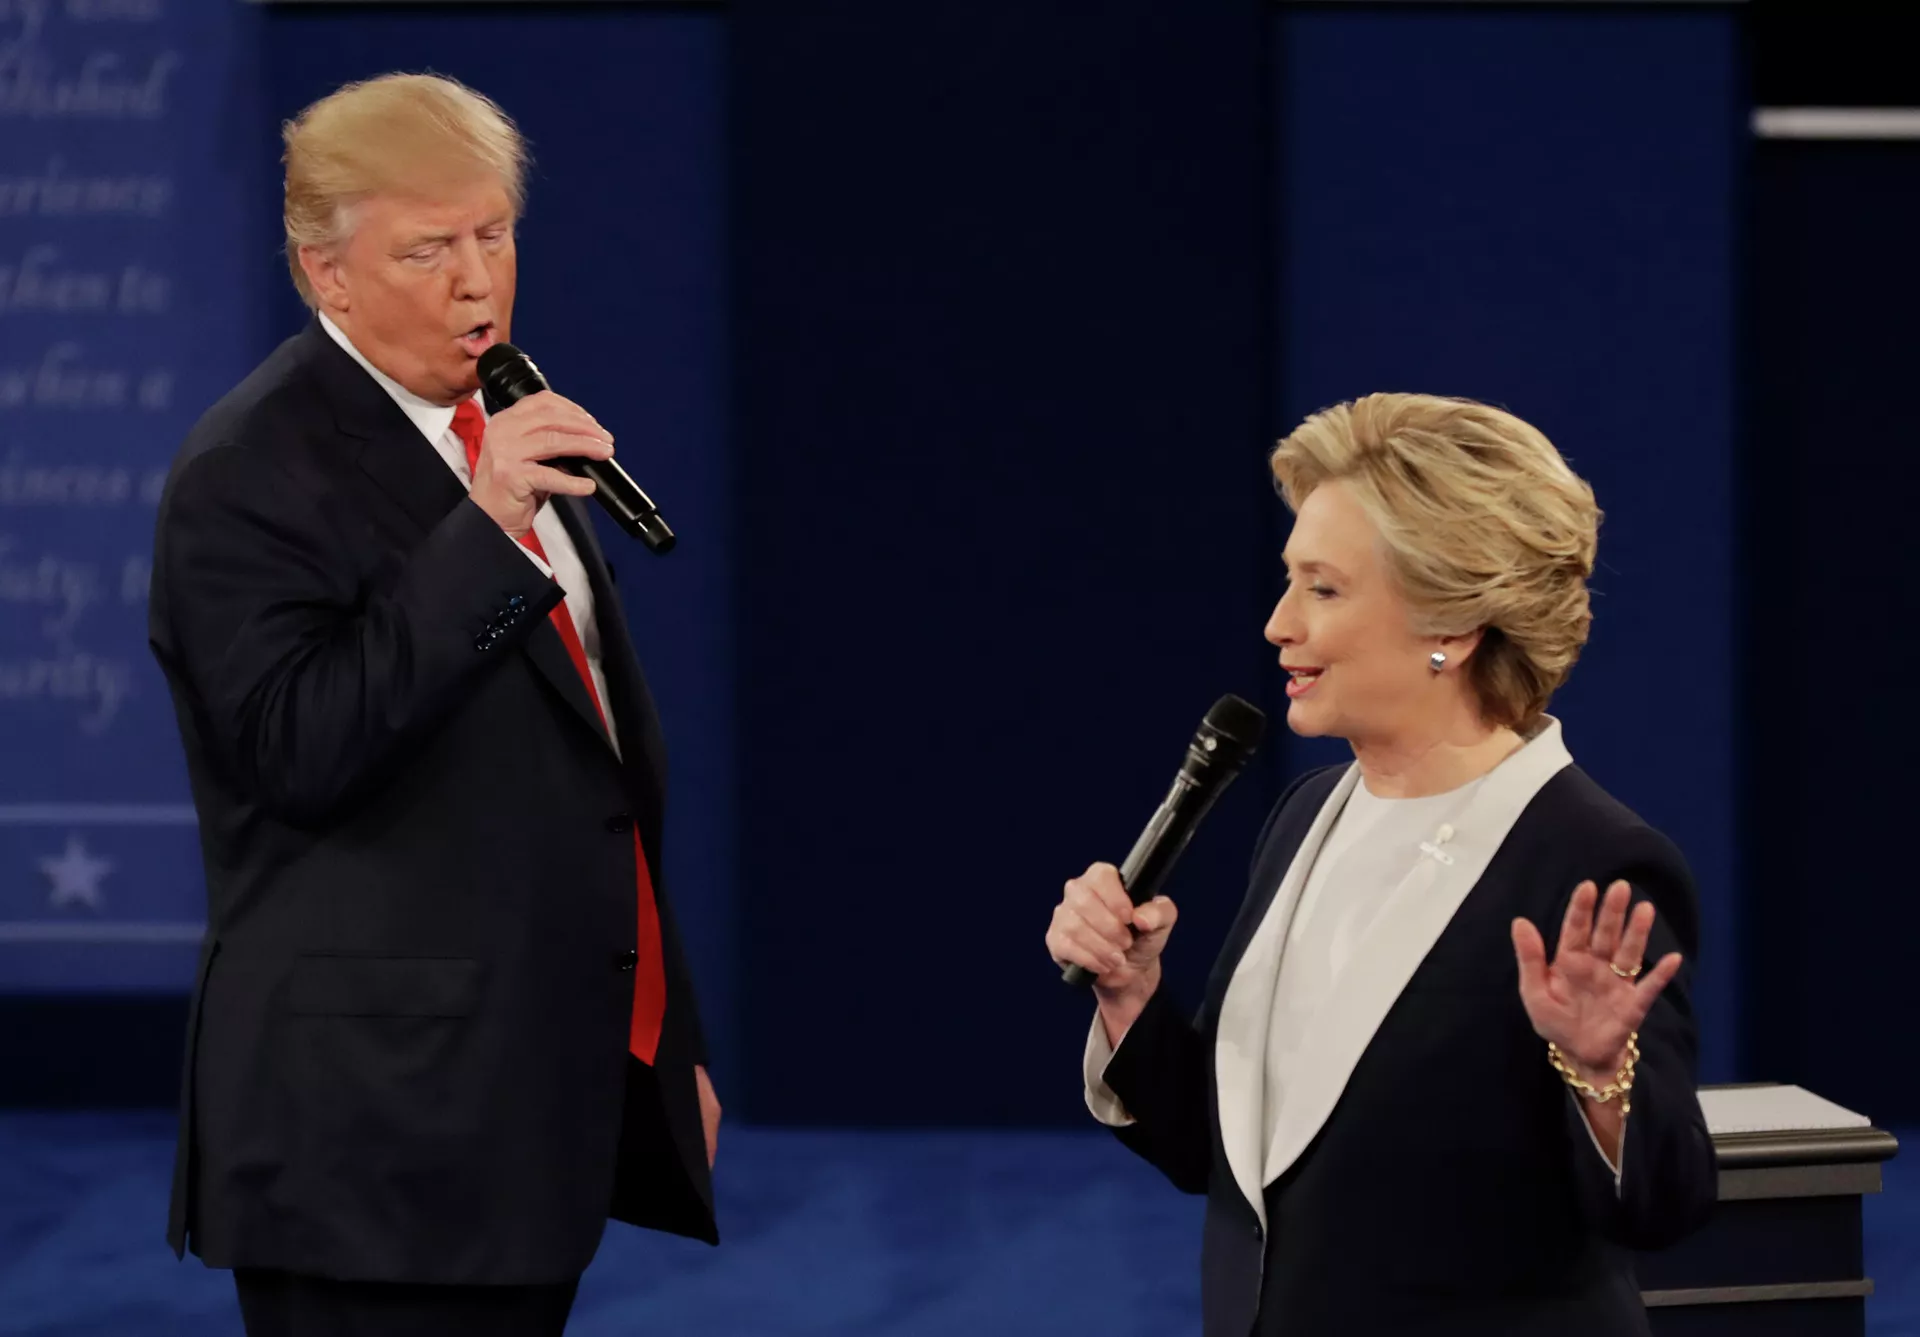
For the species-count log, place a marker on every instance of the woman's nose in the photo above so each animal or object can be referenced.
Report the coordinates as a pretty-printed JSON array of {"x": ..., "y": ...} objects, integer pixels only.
[{"x": 1281, "y": 627}]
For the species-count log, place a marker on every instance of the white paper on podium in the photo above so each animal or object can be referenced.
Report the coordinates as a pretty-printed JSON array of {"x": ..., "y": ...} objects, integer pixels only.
[{"x": 1773, "y": 1109}]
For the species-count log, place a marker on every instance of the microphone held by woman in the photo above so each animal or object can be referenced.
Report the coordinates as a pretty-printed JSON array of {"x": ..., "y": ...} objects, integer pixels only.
[{"x": 1221, "y": 746}]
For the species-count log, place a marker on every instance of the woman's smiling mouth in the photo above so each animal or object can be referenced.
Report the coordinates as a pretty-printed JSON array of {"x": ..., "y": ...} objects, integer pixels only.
[{"x": 1300, "y": 681}]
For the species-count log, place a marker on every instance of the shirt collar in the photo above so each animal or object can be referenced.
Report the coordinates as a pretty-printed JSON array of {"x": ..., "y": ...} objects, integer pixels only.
[{"x": 433, "y": 420}]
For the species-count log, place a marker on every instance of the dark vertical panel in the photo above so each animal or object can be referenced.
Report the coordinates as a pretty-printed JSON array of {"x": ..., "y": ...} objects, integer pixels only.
[
  {"x": 91, "y": 1050},
  {"x": 1836, "y": 54},
  {"x": 622, "y": 300},
  {"x": 1830, "y": 622},
  {"x": 1537, "y": 207},
  {"x": 1000, "y": 288}
]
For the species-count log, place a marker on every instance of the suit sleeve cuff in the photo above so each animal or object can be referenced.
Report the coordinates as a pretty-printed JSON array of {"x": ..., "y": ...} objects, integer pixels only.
[
  {"x": 1617, "y": 1171},
  {"x": 1102, "y": 1102},
  {"x": 539, "y": 562}
]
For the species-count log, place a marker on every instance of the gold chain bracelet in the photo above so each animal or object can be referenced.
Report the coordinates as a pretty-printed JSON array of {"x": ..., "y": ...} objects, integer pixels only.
[{"x": 1621, "y": 1087}]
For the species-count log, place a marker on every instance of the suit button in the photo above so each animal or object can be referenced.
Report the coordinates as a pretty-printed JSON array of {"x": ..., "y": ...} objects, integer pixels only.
[
  {"x": 625, "y": 960},
  {"x": 619, "y": 822}
]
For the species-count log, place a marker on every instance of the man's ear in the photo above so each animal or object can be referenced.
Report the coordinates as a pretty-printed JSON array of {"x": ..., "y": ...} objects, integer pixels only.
[{"x": 321, "y": 265}]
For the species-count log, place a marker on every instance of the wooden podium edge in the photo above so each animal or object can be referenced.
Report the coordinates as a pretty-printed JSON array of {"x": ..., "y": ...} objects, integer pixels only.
[
  {"x": 1728, "y": 1295},
  {"x": 1812, "y": 1146}
]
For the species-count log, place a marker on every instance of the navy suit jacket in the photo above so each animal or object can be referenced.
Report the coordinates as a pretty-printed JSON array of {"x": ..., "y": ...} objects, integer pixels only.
[
  {"x": 1454, "y": 1187},
  {"x": 407, "y": 1054}
]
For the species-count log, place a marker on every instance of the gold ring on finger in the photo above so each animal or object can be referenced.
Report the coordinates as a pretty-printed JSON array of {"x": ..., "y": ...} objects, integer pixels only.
[{"x": 1626, "y": 974}]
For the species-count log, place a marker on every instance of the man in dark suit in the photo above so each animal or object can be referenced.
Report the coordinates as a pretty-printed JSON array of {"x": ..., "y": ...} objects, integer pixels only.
[{"x": 443, "y": 1026}]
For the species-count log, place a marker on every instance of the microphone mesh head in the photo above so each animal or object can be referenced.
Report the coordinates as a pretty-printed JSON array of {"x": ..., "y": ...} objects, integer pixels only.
[
  {"x": 1239, "y": 720},
  {"x": 495, "y": 357},
  {"x": 508, "y": 375}
]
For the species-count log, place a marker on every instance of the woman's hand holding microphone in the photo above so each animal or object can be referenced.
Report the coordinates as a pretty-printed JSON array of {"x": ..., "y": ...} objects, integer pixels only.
[{"x": 1098, "y": 927}]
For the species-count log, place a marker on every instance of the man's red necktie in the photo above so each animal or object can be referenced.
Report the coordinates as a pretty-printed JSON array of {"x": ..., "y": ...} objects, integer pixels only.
[{"x": 649, "y": 975}]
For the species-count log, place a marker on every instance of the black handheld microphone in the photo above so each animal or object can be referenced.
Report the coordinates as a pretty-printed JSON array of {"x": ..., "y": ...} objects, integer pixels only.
[
  {"x": 508, "y": 376},
  {"x": 1225, "y": 739}
]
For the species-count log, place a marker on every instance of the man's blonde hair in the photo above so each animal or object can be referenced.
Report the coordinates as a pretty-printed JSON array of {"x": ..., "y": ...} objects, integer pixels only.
[
  {"x": 1484, "y": 526},
  {"x": 407, "y": 133}
]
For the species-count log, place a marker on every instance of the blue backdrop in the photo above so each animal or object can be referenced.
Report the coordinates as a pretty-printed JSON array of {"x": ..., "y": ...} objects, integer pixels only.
[
  {"x": 1474, "y": 204},
  {"x": 1035, "y": 293},
  {"x": 623, "y": 301},
  {"x": 126, "y": 306},
  {"x": 1006, "y": 526},
  {"x": 952, "y": 338},
  {"x": 141, "y": 276}
]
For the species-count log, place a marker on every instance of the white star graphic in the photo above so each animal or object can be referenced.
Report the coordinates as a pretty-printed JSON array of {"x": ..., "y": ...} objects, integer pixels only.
[{"x": 76, "y": 877}]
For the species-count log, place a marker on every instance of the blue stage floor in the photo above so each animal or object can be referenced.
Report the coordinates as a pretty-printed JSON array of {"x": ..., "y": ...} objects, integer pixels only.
[{"x": 919, "y": 1234}]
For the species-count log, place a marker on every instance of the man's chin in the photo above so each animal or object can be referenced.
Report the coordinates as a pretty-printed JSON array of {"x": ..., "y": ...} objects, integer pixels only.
[{"x": 464, "y": 382}]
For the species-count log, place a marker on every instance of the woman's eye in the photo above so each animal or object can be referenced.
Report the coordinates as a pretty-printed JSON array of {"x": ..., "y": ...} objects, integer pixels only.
[{"x": 1321, "y": 591}]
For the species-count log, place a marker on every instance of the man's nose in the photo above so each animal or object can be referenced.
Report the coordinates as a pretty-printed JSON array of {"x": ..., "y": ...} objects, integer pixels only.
[{"x": 472, "y": 280}]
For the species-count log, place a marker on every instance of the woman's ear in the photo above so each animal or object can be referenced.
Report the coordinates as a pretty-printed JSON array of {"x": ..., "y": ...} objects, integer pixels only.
[{"x": 1459, "y": 649}]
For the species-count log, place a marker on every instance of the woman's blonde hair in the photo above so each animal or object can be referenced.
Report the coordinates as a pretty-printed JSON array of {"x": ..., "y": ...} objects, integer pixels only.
[
  {"x": 406, "y": 133},
  {"x": 1484, "y": 526}
]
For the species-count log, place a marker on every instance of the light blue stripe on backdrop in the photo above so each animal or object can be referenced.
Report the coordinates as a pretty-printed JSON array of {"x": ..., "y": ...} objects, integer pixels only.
[{"x": 131, "y": 296}]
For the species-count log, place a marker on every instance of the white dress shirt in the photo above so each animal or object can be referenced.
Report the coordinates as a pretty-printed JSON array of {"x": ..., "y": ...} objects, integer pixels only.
[
  {"x": 563, "y": 563},
  {"x": 1364, "y": 859}
]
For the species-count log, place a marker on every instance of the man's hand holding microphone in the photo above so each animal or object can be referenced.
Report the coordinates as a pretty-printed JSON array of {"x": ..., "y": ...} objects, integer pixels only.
[{"x": 511, "y": 482}]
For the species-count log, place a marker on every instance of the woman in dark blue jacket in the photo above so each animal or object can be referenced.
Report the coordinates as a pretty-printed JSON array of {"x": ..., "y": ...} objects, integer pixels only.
[{"x": 1411, "y": 1114}]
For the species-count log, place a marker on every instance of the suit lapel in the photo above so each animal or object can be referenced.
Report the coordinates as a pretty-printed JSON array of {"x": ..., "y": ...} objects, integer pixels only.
[
  {"x": 1411, "y": 921},
  {"x": 548, "y": 654},
  {"x": 1278, "y": 845},
  {"x": 406, "y": 469},
  {"x": 634, "y": 714},
  {"x": 400, "y": 462},
  {"x": 1246, "y": 1007}
]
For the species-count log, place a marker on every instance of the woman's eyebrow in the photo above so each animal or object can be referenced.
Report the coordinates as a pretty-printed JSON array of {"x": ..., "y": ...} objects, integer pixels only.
[{"x": 1313, "y": 566}]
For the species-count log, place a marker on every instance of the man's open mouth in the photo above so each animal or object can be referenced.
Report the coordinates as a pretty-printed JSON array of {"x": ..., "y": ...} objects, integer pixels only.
[{"x": 478, "y": 339}]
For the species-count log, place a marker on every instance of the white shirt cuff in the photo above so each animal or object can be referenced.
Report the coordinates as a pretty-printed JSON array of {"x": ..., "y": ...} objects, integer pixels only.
[
  {"x": 1600, "y": 1151},
  {"x": 1102, "y": 1102},
  {"x": 537, "y": 560}
]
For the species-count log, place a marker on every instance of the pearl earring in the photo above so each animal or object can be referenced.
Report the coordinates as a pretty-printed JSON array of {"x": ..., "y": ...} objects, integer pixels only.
[{"x": 1436, "y": 661}]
